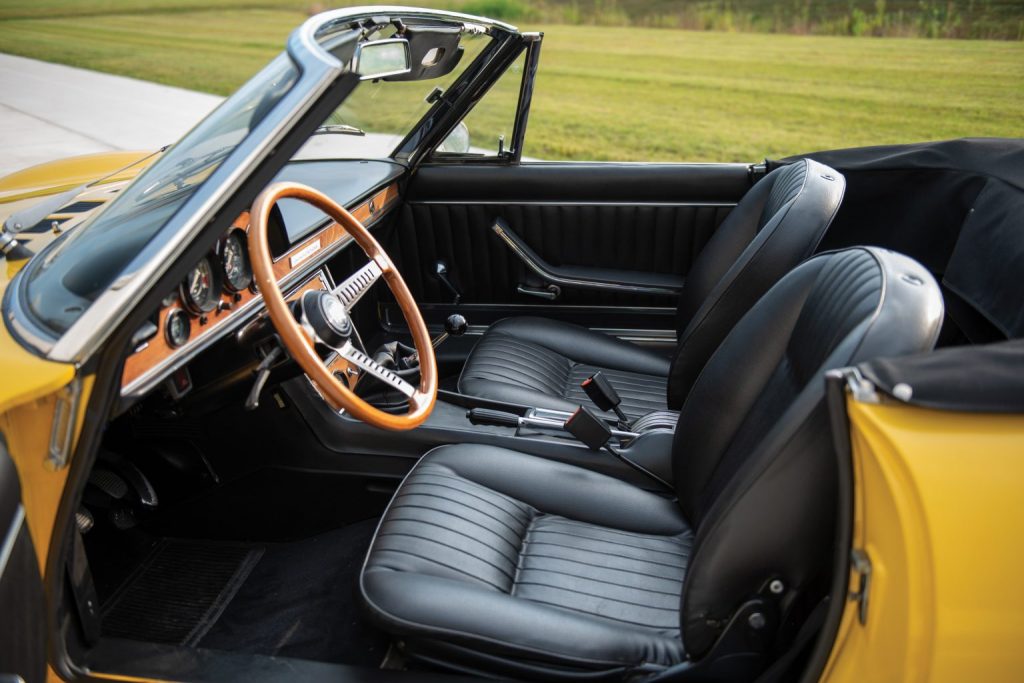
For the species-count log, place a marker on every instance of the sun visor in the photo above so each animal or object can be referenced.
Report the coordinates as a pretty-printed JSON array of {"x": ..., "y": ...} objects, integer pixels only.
[
  {"x": 434, "y": 51},
  {"x": 987, "y": 263}
]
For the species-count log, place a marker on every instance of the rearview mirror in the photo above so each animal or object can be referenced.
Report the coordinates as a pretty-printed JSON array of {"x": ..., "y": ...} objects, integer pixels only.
[{"x": 382, "y": 58}]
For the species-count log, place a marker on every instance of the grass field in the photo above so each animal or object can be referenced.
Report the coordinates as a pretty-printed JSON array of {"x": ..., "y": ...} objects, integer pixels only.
[{"x": 602, "y": 92}]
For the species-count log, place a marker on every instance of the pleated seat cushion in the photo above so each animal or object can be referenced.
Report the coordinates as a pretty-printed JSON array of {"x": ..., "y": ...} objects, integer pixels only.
[{"x": 541, "y": 363}]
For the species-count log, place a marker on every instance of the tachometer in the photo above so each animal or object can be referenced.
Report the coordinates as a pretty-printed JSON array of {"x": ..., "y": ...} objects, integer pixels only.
[
  {"x": 201, "y": 289},
  {"x": 234, "y": 258}
]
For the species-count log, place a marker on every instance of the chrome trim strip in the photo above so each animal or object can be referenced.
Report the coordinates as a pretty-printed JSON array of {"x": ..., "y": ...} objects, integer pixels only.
[
  {"x": 12, "y": 536},
  {"x": 649, "y": 336},
  {"x": 506, "y": 202},
  {"x": 20, "y": 322},
  {"x": 570, "y": 282}
]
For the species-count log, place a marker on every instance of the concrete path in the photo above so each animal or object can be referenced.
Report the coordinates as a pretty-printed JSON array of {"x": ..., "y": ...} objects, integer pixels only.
[{"x": 49, "y": 111}]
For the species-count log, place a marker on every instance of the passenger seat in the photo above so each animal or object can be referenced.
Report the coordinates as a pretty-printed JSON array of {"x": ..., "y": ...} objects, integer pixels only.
[{"x": 541, "y": 362}]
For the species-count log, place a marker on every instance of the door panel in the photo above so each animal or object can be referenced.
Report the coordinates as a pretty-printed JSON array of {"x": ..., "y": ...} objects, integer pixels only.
[
  {"x": 653, "y": 218},
  {"x": 22, "y": 640}
]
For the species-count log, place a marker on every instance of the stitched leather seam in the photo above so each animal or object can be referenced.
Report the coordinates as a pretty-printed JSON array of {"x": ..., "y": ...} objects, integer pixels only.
[
  {"x": 446, "y": 545},
  {"x": 524, "y": 542},
  {"x": 609, "y": 583},
  {"x": 610, "y": 542},
  {"x": 450, "y": 514},
  {"x": 604, "y": 554},
  {"x": 442, "y": 564},
  {"x": 607, "y": 567},
  {"x": 601, "y": 598},
  {"x": 685, "y": 535},
  {"x": 674, "y": 632},
  {"x": 526, "y": 509},
  {"x": 471, "y": 495}
]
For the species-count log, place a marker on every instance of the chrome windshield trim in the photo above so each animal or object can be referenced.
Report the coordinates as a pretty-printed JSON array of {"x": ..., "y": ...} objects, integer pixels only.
[{"x": 318, "y": 70}]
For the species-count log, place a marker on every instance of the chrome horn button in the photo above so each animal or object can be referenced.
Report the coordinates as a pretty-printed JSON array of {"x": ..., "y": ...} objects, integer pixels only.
[{"x": 328, "y": 318}]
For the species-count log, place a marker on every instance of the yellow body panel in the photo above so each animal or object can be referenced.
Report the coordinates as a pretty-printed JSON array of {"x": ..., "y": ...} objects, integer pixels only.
[
  {"x": 58, "y": 176},
  {"x": 28, "y": 395},
  {"x": 939, "y": 513}
]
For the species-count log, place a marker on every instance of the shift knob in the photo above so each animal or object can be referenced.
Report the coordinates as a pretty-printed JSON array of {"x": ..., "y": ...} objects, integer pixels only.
[{"x": 455, "y": 325}]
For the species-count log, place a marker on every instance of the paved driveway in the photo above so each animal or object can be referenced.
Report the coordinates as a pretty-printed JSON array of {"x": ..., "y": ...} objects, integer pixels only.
[{"x": 49, "y": 111}]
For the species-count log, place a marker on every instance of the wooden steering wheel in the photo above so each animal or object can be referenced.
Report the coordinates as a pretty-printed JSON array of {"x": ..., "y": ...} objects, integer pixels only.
[{"x": 323, "y": 316}]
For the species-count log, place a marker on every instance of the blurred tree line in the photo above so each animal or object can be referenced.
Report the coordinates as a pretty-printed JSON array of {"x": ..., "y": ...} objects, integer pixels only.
[{"x": 992, "y": 19}]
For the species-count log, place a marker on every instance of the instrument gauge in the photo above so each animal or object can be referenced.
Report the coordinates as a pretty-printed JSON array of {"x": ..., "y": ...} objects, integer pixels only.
[
  {"x": 177, "y": 327},
  {"x": 201, "y": 289},
  {"x": 234, "y": 258}
]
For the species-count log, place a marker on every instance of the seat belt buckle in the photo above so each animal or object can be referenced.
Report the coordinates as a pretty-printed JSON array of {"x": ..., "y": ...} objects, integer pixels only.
[
  {"x": 588, "y": 428},
  {"x": 603, "y": 395}
]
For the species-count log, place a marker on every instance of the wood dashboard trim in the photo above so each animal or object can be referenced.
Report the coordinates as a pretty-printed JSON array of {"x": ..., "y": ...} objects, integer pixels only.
[{"x": 156, "y": 355}]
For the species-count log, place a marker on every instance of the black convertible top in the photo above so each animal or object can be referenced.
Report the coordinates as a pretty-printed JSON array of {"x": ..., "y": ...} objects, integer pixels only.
[
  {"x": 958, "y": 207},
  {"x": 988, "y": 378}
]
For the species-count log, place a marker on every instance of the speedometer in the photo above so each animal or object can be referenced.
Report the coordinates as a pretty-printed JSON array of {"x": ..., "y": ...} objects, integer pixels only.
[
  {"x": 201, "y": 289},
  {"x": 234, "y": 259}
]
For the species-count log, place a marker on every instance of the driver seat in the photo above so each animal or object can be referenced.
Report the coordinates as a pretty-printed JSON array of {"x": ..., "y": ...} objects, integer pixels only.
[{"x": 497, "y": 562}]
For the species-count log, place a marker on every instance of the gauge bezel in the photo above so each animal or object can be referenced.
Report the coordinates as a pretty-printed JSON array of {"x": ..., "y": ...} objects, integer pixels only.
[
  {"x": 221, "y": 246},
  {"x": 216, "y": 287},
  {"x": 176, "y": 312}
]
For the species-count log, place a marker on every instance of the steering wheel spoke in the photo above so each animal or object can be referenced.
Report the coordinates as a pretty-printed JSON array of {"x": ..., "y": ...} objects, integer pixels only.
[
  {"x": 355, "y": 286},
  {"x": 371, "y": 367}
]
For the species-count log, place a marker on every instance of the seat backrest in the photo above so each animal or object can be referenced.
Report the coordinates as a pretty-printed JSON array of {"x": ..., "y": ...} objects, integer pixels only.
[
  {"x": 754, "y": 465},
  {"x": 776, "y": 225}
]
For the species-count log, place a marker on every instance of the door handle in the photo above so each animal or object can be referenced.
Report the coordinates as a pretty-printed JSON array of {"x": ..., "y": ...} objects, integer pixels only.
[
  {"x": 441, "y": 271},
  {"x": 551, "y": 292}
]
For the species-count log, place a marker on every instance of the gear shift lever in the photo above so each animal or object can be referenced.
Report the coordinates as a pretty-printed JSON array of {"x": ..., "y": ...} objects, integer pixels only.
[{"x": 454, "y": 326}]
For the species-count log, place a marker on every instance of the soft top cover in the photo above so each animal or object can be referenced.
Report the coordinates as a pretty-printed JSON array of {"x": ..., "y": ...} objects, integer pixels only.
[
  {"x": 958, "y": 207},
  {"x": 1001, "y": 158},
  {"x": 983, "y": 379}
]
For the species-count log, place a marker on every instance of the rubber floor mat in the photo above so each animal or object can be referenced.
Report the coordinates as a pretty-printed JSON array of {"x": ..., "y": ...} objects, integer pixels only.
[{"x": 179, "y": 591}]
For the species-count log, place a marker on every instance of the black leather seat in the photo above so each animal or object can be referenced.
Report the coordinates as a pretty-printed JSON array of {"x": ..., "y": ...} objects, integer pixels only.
[
  {"x": 500, "y": 562},
  {"x": 540, "y": 362}
]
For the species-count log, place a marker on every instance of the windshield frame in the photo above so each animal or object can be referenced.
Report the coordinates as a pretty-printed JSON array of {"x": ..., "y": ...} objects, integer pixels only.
[{"x": 318, "y": 70}]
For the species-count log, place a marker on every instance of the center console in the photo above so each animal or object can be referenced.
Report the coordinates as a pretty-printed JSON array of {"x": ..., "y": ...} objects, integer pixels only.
[{"x": 599, "y": 438}]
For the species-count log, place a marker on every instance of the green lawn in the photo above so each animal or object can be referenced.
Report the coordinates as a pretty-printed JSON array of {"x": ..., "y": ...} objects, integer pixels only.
[{"x": 602, "y": 93}]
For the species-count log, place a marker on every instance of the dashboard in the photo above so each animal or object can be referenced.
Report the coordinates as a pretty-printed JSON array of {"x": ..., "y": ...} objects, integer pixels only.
[{"x": 218, "y": 294}]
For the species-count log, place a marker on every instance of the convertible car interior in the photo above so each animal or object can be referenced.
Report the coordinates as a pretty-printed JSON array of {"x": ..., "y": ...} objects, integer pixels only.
[{"x": 442, "y": 411}]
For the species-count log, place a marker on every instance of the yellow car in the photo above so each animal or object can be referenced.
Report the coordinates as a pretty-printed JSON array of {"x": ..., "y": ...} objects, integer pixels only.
[{"x": 341, "y": 387}]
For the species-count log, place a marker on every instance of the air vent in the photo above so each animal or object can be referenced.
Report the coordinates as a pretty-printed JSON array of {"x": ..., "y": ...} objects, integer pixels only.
[{"x": 79, "y": 207}]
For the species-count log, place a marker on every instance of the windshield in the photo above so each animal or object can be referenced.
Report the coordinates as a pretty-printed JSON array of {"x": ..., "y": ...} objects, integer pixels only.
[
  {"x": 377, "y": 116},
  {"x": 76, "y": 269}
]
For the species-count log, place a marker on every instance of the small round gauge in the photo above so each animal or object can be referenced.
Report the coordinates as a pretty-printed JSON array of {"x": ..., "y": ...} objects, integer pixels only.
[
  {"x": 201, "y": 289},
  {"x": 234, "y": 259},
  {"x": 177, "y": 327}
]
